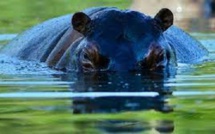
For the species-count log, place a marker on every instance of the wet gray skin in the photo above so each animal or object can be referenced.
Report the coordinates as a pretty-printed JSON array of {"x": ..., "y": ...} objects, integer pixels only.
[{"x": 104, "y": 38}]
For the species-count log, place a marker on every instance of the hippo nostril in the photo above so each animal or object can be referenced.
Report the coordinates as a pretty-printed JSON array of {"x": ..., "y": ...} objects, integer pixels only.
[
  {"x": 87, "y": 66},
  {"x": 87, "y": 58},
  {"x": 156, "y": 58},
  {"x": 92, "y": 60}
]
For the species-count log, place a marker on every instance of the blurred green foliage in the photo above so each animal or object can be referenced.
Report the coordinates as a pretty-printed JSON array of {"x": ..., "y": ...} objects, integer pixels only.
[{"x": 18, "y": 15}]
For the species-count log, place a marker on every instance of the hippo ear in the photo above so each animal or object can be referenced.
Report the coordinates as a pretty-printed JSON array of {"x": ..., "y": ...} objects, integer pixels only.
[
  {"x": 165, "y": 18},
  {"x": 81, "y": 22}
]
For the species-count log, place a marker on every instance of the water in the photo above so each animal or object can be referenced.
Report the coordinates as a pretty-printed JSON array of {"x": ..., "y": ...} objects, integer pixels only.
[{"x": 35, "y": 99}]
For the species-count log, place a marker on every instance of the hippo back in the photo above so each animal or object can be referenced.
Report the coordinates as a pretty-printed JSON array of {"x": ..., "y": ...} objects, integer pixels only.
[
  {"x": 38, "y": 42},
  {"x": 187, "y": 49},
  {"x": 35, "y": 42}
]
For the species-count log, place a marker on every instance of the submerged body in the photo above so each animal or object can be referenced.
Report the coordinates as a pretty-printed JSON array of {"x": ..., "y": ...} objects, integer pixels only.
[{"x": 107, "y": 38}]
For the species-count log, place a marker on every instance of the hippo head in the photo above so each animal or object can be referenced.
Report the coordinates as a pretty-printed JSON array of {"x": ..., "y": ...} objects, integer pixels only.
[{"x": 119, "y": 40}]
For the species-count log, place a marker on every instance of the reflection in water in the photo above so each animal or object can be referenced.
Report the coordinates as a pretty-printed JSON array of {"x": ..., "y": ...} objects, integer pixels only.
[
  {"x": 125, "y": 126},
  {"x": 132, "y": 126},
  {"x": 119, "y": 104},
  {"x": 120, "y": 82},
  {"x": 123, "y": 82}
]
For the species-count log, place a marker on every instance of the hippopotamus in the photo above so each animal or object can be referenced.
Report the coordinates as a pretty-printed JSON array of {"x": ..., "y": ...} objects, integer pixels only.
[{"x": 107, "y": 39}]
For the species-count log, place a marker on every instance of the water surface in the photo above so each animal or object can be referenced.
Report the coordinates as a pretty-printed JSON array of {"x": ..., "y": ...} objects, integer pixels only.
[{"x": 35, "y": 99}]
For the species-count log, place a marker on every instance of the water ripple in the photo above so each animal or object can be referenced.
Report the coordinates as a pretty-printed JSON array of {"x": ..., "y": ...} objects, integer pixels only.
[
  {"x": 34, "y": 83},
  {"x": 32, "y": 95},
  {"x": 4, "y": 37}
]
